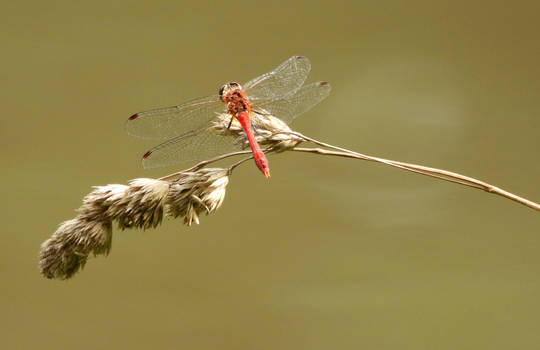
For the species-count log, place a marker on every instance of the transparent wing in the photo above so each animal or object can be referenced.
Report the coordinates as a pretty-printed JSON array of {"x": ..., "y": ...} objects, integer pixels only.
[
  {"x": 280, "y": 82},
  {"x": 206, "y": 142},
  {"x": 292, "y": 106},
  {"x": 192, "y": 146},
  {"x": 167, "y": 122}
]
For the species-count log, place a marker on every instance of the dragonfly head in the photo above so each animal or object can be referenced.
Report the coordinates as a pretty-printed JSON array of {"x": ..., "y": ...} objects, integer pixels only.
[{"x": 226, "y": 89}]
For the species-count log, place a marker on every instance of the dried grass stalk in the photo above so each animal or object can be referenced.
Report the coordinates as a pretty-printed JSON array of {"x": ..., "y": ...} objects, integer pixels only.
[{"x": 143, "y": 202}]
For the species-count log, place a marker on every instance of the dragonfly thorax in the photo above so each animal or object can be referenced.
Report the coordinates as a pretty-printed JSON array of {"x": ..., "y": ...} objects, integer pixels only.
[{"x": 235, "y": 98}]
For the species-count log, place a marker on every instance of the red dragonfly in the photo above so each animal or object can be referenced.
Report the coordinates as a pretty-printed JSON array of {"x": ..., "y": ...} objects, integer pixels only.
[{"x": 188, "y": 127}]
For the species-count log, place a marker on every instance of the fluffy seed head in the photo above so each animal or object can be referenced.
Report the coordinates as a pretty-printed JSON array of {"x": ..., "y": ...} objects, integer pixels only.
[
  {"x": 197, "y": 192},
  {"x": 269, "y": 131},
  {"x": 67, "y": 250},
  {"x": 140, "y": 204}
]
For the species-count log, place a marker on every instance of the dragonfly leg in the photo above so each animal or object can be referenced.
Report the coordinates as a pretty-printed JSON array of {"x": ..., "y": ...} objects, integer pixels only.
[
  {"x": 230, "y": 123},
  {"x": 254, "y": 128}
]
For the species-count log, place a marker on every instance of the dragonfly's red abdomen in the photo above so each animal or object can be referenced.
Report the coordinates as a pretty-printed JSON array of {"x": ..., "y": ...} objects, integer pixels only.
[{"x": 258, "y": 154}]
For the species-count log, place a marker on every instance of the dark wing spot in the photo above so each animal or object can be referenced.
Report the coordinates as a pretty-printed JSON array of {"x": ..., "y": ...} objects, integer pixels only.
[
  {"x": 147, "y": 154},
  {"x": 322, "y": 83},
  {"x": 299, "y": 57},
  {"x": 136, "y": 115}
]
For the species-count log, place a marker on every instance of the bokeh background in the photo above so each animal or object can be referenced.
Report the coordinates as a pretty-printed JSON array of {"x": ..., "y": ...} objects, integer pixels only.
[{"x": 329, "y": 253}]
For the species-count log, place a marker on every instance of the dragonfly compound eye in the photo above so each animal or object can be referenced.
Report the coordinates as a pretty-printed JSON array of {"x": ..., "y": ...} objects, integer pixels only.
[{"x": 221, "y": 92}]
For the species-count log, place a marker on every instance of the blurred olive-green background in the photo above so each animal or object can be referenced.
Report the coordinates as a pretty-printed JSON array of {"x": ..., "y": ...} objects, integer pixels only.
[{"x": 329, "y": 253}]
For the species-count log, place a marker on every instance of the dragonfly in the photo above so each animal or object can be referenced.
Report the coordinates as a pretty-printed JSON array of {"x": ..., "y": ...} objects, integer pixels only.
[{"x": 189, "y": 128}]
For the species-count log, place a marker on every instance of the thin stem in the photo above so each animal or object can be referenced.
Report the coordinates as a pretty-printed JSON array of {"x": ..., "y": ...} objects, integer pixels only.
[
  {"x": 433, "y": 172},
  {"x": 266, "y": 150},
  {"x": 202, "y": 165},
  {"x": 420, "y": 169},
  {"x": 231, "y": 168}
]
